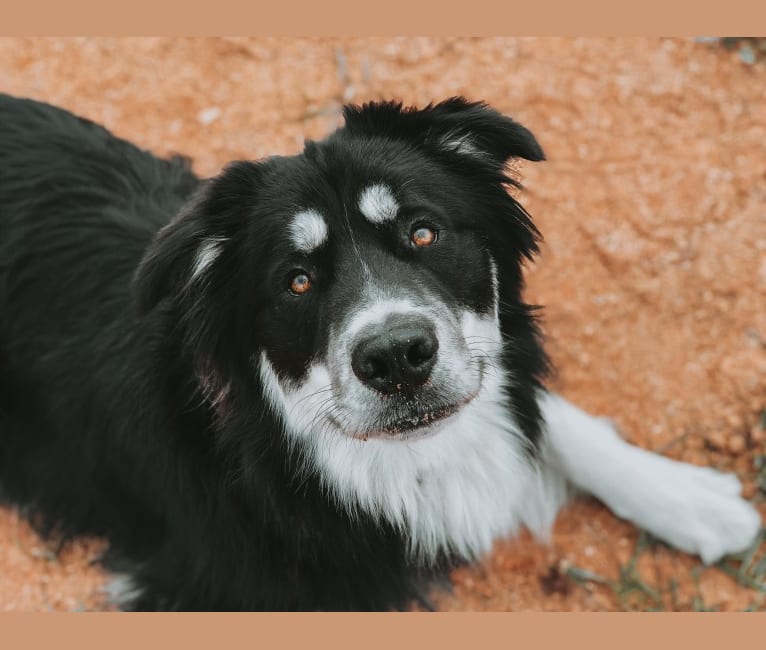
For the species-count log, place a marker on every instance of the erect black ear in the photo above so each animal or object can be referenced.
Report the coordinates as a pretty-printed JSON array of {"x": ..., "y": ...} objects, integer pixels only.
[
  {"x": 457, "y": 126},
  {"x": 184, "y": 251}
]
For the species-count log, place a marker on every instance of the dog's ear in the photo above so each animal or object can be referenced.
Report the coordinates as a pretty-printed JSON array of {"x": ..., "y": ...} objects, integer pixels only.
[
  {"x": 177, "y": 262},
  {"x": 455, "y": 126}
]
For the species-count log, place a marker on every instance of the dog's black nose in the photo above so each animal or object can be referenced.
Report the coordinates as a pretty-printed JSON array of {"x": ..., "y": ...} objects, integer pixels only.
[{"x": 399, "y": 358}]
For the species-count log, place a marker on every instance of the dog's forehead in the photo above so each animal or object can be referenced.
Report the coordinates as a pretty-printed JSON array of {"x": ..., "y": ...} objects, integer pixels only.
[
  {"x": 336, "y": 189},
  {"x": 309, "y": 227},
  {"x": 316, "y": 212}
]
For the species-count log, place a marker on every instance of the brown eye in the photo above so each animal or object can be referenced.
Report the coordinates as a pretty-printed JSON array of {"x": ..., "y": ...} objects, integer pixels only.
[
  {"x": 300, "y": 284},
  {"x": 423, "y": 236}
]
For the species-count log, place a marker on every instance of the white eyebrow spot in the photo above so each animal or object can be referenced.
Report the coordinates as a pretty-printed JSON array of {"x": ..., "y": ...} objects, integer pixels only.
[
  {"x": 377, "y": 204},
  {"x": 208, "y": 251},
  {"x": 308, "y": 230}
]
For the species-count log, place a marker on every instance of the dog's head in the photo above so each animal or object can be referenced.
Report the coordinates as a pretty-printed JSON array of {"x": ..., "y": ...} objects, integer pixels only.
[{"x": 367, "y": 283}]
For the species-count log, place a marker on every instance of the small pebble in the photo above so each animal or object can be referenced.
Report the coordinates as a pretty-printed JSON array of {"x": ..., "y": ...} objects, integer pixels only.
[
  {"x": 717, "y": 439},
  {"x": 209, "y": 115},
  {"x": 747, "y": 55},
  {"x": 734, "y": 421},
  {"x": 736, "y": 444}
]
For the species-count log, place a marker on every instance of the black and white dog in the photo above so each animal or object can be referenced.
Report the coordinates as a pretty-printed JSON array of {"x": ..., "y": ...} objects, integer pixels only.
[{"x": 308, "y": 383}]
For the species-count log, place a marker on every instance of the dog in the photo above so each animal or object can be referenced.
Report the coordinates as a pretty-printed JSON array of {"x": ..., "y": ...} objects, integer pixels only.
[{"x": 308, "y": 383}]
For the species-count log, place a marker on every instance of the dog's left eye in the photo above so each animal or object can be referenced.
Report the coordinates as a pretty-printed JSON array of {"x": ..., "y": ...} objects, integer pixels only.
[
  {"x": 300, "y": 283},
  {"x": 423, "y": 236}
]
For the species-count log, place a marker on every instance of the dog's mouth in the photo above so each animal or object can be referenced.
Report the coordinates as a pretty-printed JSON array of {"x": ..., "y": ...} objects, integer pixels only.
[{"x": 421, "y": 423}]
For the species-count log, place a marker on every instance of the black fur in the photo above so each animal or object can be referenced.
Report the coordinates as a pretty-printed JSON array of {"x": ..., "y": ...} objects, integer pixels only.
[{"x": 129, "y": 403}]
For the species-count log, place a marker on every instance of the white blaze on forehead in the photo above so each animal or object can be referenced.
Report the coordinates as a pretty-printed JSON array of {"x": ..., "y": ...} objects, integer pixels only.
[
  {"x": 308, "y": 230},
  {"x": 377, "y": 204}
]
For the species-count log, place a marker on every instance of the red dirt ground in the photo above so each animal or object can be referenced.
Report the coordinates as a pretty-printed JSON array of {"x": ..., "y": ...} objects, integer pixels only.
[{"x": 652, "y": 203}]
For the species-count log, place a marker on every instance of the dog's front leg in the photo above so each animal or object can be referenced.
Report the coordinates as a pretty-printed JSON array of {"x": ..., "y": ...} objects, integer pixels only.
[{"x": 695, "y": 509}]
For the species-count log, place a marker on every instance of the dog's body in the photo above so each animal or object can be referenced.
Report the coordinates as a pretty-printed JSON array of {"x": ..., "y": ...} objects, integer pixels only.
[{"x": 324, "y": 386}]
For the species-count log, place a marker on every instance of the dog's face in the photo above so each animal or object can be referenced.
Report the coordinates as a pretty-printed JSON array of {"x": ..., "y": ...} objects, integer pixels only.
[
  {"x": 364, "y": 283},
  {"x": 378, "y": 299}
]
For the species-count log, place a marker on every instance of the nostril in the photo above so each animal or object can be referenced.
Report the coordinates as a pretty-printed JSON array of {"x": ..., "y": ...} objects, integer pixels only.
[
  {"x": 374, "y": 368},
  {"x": 370, "y": 363},
  {"x": 421, "y": 351}
]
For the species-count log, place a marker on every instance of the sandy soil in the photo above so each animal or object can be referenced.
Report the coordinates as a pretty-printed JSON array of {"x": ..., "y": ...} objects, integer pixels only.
[{"x": 653, "y": 205}]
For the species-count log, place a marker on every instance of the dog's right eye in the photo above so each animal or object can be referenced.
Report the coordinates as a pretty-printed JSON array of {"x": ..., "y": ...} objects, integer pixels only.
[
  {"x": 300, "y": 283},
  {"x": 422, "y": 236}
]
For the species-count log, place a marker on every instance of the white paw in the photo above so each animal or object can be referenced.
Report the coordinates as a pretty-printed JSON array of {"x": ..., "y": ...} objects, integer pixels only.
[
  {"x": 695, "y": 509},
  {"x": 713, "y": 479}
]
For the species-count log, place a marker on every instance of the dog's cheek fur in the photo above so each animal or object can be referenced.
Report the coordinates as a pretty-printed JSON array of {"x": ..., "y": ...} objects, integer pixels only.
[
  {"x": 193, "y": 268},
  {"x": 288, "y": 329}
]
